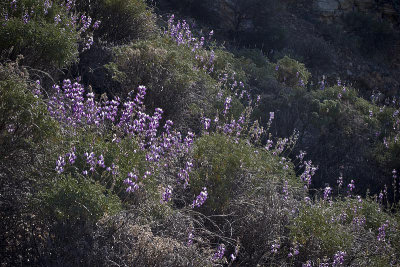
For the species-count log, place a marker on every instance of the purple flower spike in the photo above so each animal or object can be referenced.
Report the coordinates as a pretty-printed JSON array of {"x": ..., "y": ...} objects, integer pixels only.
[
  {"x": 220, "y": 252},
  {"x": 200, "y": 199}
]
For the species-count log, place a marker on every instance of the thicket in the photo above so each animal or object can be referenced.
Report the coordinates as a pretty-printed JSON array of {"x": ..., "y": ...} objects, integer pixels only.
[{"x": 180, "y": 162}]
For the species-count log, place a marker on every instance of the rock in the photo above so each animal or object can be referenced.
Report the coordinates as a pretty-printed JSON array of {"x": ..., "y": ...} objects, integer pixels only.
[
  {"x": 327, "y": 6},
  {"x": 346, "y": 5},
  {"x": 365, "y": 5}
]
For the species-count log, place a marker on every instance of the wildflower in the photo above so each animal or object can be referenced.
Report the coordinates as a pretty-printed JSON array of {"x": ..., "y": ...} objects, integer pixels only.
[
  {"x": 25, "y": 18},
  {"x": 285, "y": 190},
  {"x": 207, "y": 123},
  {"x": 382, "y": 232},
  {"x": 327, "y": 192},
  {"x": 228, "y": 101},
  {"x": 57, "y": 19},
  {"x": 166, "y": 196},
  {"x": 96, "y": 24},
  {"x": 190, "y": 238},
  {"x": 275, "y": 246},
  {"x": 338, "y": 258},
  {"x": 200, "y": 199},
  {"x": 47, "y": 4},
  {"x": 220, "y": 252},
  {"x": 294, "y": 251},
  {"x": 71, "y": 156},
  {"x": 351, "y": 186},
  {"x": 301, "y": 155},
  {"x": 271, "y": 117},
  {"x": 269, "y": 144},
  {"x": 60, "y": 165},
  {"x": 101, "y": 161},
  {"x": 340, "y": 181},
  {"x": 13, "y": 4}
]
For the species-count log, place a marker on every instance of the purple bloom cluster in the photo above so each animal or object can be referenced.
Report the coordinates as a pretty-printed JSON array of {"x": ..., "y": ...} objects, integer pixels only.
[
  {"x": 235, "y": 254},
  {"x": 382, "y": 232},
  {"x": 327, "y": 192},
  {"x": 71, "y": 156},
  {"x": 91, "y": 160},
  {"x": 351, "y": 186},
  {"x": 227, "y": 105},
  {"x": 132, "y": 185},
  {"x": 338, "y": 258},
  {"x": 166, "y": 195},
  {"x": 309, "y": 171},
  {"x": 86, "y": 21},
  {"x": 280, "y": 146},
  {"x": 359, "y": 221},
  {"x": 96, "y": 24},
  {"x": 180, "y": 32},
  {"x": 200, "y": 199},
  {"x": 183, "y": 174},
  {"x": 285, "y": 189},
  {"x": 294, "y": 250},
  {"x": 219, "y": 254},
  {"x": 57, "y": 19},
  {"x": 275, "y": 247},
  {"x": 206, "y": 123},
  {"x": 60, "y": 165},
  {"x": 190, "y": 238},
  {"x": 340, "y": 181}
]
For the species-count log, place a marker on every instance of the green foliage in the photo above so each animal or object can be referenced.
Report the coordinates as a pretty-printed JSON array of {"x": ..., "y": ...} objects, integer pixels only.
[
  {"x": 71, "y": 200},
  {"x": 171, "y": 75},
  {"x": 291, "y": 72},
  {"x": 125, "y": 154},
  {"x": 259, "y": 72},
  {"x": 41, "y": 41},
  {"x": 350, "y": 225},
  {"x": 121, "y": 20},
  {"x": 372, "y": 35},
  {"x": 314, "y": 229},
  {"x": 24, "y": 123},
  {"x": 222, "y": 165}
]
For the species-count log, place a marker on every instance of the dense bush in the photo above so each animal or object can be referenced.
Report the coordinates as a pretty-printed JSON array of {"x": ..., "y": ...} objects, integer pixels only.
[
  {"x": 121, "y": 21},
  {"x": 47, "y": 35},
  {"x": 358, "y": 227},
  {"x": 372, "y": 35},
  {"x": 93, "y": 180},
  {"x": 291, "y": 72},
  {"x": 71, "y": 199},
  {"x": 172, "y": 75},
  {"x": 221, "y": 165},
  {"x": 27, "y": 134}
]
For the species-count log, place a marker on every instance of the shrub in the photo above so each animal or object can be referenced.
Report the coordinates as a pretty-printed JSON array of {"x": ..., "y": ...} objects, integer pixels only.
[
  {"x": 314, "y": 52},
  {"x": 27, "y": 133},
  {"x": 372, "y": 35},
  {"x": 352, "y": 225},
  {"x": 221, "y": 165},
  {"x": 170, "y": 73},
  {"x": 43, "y": 42},
  {"x": 119, "y": 240},
  {"x": 291, "y": 72},
  {"x": 71, "y": 200},
  {"x": 24, "y": 122},
  {"x": 121, "y": 20}
]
